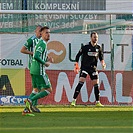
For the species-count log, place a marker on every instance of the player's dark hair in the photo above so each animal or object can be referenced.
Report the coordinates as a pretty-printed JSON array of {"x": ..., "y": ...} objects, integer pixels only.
[
  {"x": 44, "y": 28},
  {"x": 93, "y": 33}
]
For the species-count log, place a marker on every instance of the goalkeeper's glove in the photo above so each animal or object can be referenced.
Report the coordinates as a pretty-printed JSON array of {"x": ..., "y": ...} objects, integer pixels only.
[
  {"x": 76, "y": 68},
  {"x": 103, "y": 64}
]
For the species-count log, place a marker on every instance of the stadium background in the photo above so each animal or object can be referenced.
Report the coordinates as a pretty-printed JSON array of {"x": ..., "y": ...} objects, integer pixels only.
[{"x": 67, "y": 36}]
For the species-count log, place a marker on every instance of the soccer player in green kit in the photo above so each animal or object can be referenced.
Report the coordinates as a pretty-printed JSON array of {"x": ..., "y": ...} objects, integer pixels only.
[
  {"x": 28, "y": 48},
  {"x": 40, "y": 60}
]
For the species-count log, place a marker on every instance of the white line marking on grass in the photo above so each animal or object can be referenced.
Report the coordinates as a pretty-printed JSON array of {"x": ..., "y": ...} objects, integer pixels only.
[{"x": 81, "y": 127}]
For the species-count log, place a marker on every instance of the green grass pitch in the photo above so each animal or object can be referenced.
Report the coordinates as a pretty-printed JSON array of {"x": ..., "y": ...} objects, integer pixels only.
[{"x": 65, "y": 119}]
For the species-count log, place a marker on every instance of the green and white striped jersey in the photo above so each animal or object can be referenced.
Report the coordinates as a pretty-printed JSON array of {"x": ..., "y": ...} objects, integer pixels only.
[
  {"x": 30, "y": 45},
  {"x": 39, "y": 58}
]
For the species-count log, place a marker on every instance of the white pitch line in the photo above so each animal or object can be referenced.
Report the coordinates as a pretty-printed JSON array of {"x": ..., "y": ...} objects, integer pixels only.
[{"x": 82, "y": 127}]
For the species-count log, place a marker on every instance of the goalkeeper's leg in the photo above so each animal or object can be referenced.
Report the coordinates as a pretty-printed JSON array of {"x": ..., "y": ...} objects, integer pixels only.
[
  {"x": 95, "y": 81},
  {"x": 78, "y": 87}
]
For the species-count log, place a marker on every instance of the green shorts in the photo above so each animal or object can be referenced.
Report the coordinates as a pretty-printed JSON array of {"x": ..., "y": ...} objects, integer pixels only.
[{"x": 40, "y": 81}]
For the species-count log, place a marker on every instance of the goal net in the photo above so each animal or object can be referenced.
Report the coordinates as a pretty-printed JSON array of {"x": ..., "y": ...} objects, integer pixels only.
[{"x": 70, "y": 23}]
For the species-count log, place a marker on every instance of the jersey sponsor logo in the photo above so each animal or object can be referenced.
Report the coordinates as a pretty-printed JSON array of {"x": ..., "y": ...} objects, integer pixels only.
[
  {"x": 94, "y": 73},
  {"x": 57, "y": 51},
  {"x": 39, "y": 49},
  {"x": 93, "y": 53},
  {"x": 97, "y": 50}
]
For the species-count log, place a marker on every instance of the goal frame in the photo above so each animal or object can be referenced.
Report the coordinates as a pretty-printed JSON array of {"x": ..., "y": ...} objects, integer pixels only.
[{"x": 113, "y": 12}]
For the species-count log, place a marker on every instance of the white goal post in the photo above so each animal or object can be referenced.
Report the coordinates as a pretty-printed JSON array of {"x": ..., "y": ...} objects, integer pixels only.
[
  {"x": 66, "y": 12},
  {"x": 68, "y": 26}
]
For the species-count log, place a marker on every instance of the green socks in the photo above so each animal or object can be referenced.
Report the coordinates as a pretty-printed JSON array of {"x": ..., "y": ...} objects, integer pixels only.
[
  {"x": 39, "y": 95},
  {"x": 34, "y": 103}
]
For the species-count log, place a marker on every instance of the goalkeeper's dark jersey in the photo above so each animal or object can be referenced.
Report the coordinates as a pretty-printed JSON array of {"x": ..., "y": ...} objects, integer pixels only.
[{"x": 90, "y": 55}]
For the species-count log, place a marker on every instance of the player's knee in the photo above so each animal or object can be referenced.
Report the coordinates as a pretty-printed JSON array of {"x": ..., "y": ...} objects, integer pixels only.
[
  {"x": 82, "y": 79},
  {"x": 35, "y": 90},
  {"x": 95, "y": 82},
  {"x": 50, "y": 89}
]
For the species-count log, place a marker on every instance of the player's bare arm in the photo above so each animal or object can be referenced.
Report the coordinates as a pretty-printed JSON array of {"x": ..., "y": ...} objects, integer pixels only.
[{"x": 24, "y": 50}]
